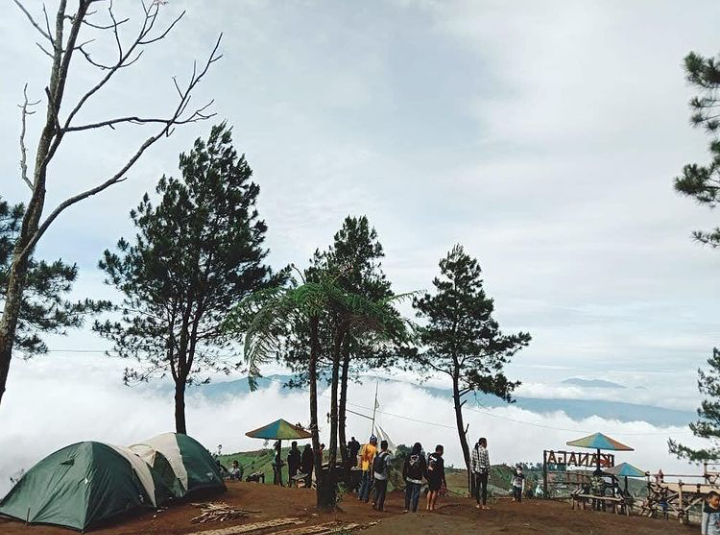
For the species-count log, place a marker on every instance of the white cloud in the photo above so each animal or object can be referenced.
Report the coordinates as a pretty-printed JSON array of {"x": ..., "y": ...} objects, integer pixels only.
[{"x": 53, "y": 407}]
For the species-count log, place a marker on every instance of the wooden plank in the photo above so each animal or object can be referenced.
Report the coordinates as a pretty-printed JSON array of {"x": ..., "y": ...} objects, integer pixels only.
[
  {"x": 249, "y": 528},
  {"x": 328, "y": 528}
]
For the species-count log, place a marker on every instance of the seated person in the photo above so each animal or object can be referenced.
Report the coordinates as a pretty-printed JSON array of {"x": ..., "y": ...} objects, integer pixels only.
[{"x": 236, "y": 471}]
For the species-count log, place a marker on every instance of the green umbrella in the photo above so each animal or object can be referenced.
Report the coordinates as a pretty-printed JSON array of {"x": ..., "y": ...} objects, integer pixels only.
[{"x": 626, "y": 470}]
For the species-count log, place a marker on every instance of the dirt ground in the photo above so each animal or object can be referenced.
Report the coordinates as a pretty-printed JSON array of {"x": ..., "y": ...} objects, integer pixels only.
[{"x": 456, "y": 516}]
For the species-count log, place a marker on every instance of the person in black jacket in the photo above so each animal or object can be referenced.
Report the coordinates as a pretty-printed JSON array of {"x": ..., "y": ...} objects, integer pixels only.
[
  {"x": 307, "y": 464},
  {"x": 353, "y": 450},
  {"x": 435, "y": 476},
  {"x": 293, "y": 461},
  {"x": 413, "y": 473}
]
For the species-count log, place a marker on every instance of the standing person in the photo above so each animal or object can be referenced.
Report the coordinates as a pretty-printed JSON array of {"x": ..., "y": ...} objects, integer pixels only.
[
  {"x": 413, "y": 473},
  {"x": 308, "y": 464},
  {"x": 435, "y": 476},
  {"x": 381, "y": 470},
  {"x": 518, "y": 483},
  {"x": 481, "y": 471},
  {"x": 711, "y": 514},
  {"x": 367, "y": 456},
  {"x": 294, "y": 460},
  {"x": 353, "y": 450},
  {"x": 278, "y": 464}
]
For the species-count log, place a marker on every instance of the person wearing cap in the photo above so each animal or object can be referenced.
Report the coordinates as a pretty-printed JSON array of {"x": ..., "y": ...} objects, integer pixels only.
[{"x": 367, "y": 456}]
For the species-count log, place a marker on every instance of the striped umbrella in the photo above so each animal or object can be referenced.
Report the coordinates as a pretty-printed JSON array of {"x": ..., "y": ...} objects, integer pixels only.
[
  {"x": 280, "y": 430},
  {"x": 598, "y": 442}
]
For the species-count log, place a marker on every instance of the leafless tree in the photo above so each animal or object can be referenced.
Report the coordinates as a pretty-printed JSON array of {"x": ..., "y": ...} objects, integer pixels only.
[{"x": 63, "y": 44}]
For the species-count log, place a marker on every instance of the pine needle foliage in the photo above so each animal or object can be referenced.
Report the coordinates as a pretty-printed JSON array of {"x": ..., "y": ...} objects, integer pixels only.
[
  {"x": 702, "y": 182},
  {"x": 44, "y": 308}
]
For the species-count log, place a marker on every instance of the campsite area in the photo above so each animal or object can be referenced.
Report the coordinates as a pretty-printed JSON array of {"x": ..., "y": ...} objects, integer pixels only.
[{"x": 455, "y": 516}]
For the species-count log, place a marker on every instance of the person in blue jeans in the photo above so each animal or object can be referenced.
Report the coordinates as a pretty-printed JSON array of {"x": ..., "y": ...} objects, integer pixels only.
[
  {"x": 413, "y": 473},
  {"x": 381, "y": 471}
]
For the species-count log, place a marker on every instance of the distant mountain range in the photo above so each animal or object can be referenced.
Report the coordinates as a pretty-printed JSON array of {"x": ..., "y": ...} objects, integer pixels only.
[
  {"x": 576, "y": 409},
  {"x": 591, "y": 383}
]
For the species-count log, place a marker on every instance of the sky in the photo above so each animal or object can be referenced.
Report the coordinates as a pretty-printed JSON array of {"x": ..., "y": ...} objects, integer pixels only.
[{"x": 544, "y": 137}]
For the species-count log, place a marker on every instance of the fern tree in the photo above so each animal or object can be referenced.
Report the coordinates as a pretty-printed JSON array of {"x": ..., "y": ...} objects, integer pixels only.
[
  {"x": 461, "y": 339},
  {"x": 353, "y": 261},
  {"x": 270, "y": 319}
]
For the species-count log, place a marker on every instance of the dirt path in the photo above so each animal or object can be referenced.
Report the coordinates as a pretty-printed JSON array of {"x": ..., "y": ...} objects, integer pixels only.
[{"x": 457, "y": 516}]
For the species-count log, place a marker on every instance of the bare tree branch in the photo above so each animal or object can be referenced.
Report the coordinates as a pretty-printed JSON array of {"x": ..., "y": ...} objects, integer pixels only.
[
  {"x": 197, "y": 115},
  {"x": 45, "y": 34},
  {"x": 23, "y": 147},
  {"x": 122, "y": 62},
  {"x": 45, "y": 50},
  {"x": 118, "y": 177}
]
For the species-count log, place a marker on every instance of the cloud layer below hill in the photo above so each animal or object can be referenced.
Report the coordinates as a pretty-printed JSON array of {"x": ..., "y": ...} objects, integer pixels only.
[{"x": 49, "y": 405}]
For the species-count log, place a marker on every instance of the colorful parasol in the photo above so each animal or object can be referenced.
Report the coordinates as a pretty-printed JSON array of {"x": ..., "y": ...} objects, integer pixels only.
[
  {"x": 280, "y": 430},
  {"x": 598, "y": 442}
]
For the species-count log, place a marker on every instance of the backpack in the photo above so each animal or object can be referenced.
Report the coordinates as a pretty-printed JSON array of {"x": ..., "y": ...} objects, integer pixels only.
[
  {"x": 380, "y": 463},
  {"x": 414, "y": 470},
  {"x": 432, "y": 461}
]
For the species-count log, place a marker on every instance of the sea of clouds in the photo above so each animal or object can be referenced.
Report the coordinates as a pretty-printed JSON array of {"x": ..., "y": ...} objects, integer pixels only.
[{"x": 58, "y": 400}]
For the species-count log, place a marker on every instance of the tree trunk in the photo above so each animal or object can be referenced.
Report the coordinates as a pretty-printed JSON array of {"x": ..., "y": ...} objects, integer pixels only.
[
  {"x": 334, "y": 408},
  {"x": 312, "y": 377},
  {"x": 180, "y": 407},
  {"x": 342, "y": 406},
  {"x": 461, "y": 430},
  {"x": 15, "y": 290}
]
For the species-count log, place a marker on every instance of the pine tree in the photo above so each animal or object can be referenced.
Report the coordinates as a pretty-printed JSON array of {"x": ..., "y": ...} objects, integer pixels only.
[
  {"x": 708, "y": 424},
  {"x": 462, "y": 340},
  {"x": 702, "y": 182},
  {"x": 44, "y": 308},
  {"x": 196, "y": 254}
]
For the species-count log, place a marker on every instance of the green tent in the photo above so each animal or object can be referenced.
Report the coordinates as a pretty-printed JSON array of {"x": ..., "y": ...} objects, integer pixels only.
[
  {"x": 83, "y": 485},
  {"x": 161, "y": 466},
  {"x": 194, "y": 466}
]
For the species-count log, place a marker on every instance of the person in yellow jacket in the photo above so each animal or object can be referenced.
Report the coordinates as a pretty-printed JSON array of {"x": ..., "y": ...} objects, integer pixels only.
[{"x": 367, "y": 456}]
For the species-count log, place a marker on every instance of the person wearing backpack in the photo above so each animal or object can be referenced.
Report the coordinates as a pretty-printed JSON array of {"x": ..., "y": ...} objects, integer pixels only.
[
  {"x": 367, "y": 456},
  {"x": 381, "y": 467},
  {"x": 435, "y": 476},
  {"x": 413, "y": 473}
]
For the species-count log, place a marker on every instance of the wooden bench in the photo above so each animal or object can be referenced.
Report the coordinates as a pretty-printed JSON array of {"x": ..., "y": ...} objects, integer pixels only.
[{"x": 618, "y": 504}]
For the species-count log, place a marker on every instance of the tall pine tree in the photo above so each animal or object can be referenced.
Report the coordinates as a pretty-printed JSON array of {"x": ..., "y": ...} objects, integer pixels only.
[
  {"x": 196, "y": 254},
  {"x": 460, "y": 338},
  {"x": 702, "y": 183}
]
